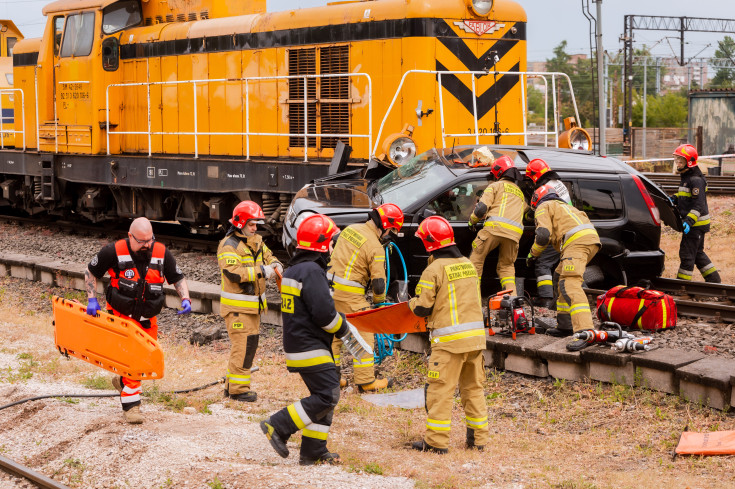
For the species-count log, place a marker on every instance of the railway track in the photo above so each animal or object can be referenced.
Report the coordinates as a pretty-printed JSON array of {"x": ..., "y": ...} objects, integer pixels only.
[
  {"x": 686, "y": 293},
  {"x": 715, "y": 185},
  {"x": 19, "y": 470}
]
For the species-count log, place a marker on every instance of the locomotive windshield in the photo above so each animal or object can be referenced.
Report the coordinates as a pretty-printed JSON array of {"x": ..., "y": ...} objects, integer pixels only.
[{"x": 120, "y": 15}]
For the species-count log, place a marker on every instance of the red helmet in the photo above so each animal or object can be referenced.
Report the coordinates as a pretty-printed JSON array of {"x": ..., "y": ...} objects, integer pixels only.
[
  {"x": 501, "y": 165},
  {"x": 315, "y": 233},
  {"x": 435, "y": 232},
  {"x": 536, "y": 168},
  {"x": 541, "y": 192},
  {"x": 689, "y": 153},
  {"x": 391, "y": 216},
  {"x": 245, "y": 211}
]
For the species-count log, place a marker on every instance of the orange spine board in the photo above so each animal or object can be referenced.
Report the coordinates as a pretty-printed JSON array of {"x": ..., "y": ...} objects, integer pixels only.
[
  {"x": 110, "y": 342},
  {"x": 394, "y": 319}
]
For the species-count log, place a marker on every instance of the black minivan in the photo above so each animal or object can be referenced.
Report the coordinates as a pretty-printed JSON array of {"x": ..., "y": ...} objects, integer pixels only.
[{"x": 626, "y": 208}]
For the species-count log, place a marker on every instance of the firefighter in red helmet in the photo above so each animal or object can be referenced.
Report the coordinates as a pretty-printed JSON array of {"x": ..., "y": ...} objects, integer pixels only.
[
  {"x": 501, "y": 208},
  {"x": 246, "y": 264},
  {"x": 691, "y": 201},
  {"x": 449, "y": 297},
  {"x": 358, "y": 260},
  {"x": 310, "y": 322}
]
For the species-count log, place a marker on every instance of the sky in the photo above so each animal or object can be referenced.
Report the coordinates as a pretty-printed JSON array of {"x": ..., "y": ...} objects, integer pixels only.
[{"x": 549, "y": 23}]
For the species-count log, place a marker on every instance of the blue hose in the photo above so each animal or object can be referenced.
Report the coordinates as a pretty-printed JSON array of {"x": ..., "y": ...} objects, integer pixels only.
[{"x": 384, "y": 342}]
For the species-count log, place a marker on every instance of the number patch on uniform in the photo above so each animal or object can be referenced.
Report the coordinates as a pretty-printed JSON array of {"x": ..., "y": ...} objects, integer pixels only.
[
  {"x": 287, "y": 303},
  {"x": 569, "y": 268},
  {"x": 433, "y": 374},
  {"x": 236, "y": 325},
  {"x": 231, "y": 261}
]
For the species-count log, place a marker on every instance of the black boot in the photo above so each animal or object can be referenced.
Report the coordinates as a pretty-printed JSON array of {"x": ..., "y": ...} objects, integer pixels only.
[
  {"x": 330, "y": 458},
  {"x": 559, "y": 333},
  {"x": 278, "y": 443},
  {"x": 471, "y": 441},
  {"x": 248, "y": 396},
  {"x": 422, "y": 446}
]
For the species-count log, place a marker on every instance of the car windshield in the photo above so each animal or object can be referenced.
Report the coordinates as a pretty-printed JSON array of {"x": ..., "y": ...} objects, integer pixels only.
[{"x": 415, "y": 181}]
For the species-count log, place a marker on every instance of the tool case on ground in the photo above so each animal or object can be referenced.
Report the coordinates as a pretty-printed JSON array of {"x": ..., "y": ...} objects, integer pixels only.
[{"x": 637, "y": 307}]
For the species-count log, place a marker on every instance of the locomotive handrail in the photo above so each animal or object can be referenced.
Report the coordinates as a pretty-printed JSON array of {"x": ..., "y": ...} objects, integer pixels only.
[
  {"x": 524, "y": 77},
  {"x": 247, "y": 80},
  {"x": 9, "y": 91}
]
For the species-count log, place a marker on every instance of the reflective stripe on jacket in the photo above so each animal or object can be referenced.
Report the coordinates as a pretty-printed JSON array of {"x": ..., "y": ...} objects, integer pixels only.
[
  {"x": 566, "y": 225},
  {"x": 692, "y": 199},
  {"x": 505, "y": 205}
]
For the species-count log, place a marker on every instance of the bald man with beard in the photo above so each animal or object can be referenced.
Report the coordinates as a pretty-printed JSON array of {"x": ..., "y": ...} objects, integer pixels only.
[{"x": 138, "y": 267}]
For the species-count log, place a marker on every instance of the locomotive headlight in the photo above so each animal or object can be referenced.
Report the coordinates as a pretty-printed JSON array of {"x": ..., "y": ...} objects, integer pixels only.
[
  {"x": 400, "y": 147},
  {"x": 574, "y": 137},
  {"x": 482, "y": 7}
]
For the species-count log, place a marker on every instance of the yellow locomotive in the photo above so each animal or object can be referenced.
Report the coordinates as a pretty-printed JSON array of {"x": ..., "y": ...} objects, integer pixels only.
[
  {"x": 177, "y": 109},
  {"x": 9, "y": 36}
]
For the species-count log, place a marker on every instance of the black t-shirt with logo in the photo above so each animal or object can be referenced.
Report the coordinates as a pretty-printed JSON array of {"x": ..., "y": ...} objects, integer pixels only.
[{"x": 107, "y": 258}]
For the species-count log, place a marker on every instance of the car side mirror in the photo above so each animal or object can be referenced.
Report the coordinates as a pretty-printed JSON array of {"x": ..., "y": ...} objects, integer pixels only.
[{"x": 427, "y": 213}]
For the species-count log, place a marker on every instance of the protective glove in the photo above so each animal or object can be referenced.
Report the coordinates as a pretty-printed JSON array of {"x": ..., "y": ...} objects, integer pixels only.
[
  {"x": 267, "y": 271},
  {"x": 674, "y": 200},
  {"x": 185, "y": 307},
  {"x": 530, "y": 261},
  {"x": 474, "y": 227},
  {"x": 93, "y": 307},
  {"x": 686, "y": 228},
  {"x": 278, "y": 267}
]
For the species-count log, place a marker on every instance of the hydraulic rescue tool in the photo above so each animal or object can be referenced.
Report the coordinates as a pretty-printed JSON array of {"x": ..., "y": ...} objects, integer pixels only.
[
  {"x": 631, "y": 345},
  {"x": 511, "y": 316}
]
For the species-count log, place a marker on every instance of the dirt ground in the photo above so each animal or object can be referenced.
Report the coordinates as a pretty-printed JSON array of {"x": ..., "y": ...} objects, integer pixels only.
[{"x": 544, "y": 433}]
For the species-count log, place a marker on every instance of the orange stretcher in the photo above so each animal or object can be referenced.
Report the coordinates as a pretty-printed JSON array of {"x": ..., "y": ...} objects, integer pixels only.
[
  {"x": 710, "y": 443},
  {"x": 110, "y": 342},
  {"x": 394, "y": 319}
]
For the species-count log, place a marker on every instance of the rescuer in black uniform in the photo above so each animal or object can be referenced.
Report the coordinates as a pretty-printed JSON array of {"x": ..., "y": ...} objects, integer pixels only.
[
  {"x": 691, "y": 201},
  {"x": 310, "y": 322}
]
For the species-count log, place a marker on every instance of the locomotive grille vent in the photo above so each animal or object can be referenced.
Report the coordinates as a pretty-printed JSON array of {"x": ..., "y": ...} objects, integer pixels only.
[
  {"x": 159, "y": 19},
  {"x": 180, "y": 17},
  {"x": 169, "y": 17},
  {"x": 148, "y": 21},
  {"x": 331, "y": 109},
  {"x": 192, "y": 16},
  {"x": 335, "y": 116},
  {"x": 204, "y": 14},
  {"x": 301, "y": 62}
]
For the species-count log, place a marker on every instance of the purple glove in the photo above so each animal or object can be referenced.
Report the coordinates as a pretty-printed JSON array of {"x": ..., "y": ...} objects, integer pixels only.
[
  {"x": 93, "y": 307},
  {"x": 185, "y": 307}
]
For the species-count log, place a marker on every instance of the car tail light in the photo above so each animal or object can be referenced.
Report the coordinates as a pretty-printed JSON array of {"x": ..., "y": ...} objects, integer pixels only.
[{"x": 655, "y": 214}]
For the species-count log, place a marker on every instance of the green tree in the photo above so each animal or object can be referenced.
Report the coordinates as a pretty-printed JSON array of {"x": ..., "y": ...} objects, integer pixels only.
[
  {"x": 725, "y": 77},
  {"x": 668, "y": 110}
]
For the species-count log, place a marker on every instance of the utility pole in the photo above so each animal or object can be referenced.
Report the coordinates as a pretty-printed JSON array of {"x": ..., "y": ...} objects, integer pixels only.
[
  {"x": 645, "y": 101},
  {"x": 601, "y": 81}
]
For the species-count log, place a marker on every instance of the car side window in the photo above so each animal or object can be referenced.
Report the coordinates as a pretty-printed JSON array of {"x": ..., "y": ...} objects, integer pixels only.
[
  {"x": 457, "y": 203},
  {"x": 600, "y": 199}
]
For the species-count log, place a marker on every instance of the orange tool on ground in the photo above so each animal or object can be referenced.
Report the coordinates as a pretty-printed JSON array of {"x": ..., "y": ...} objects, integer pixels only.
[
  {"x": 393, "y": 319},
  {"x": 493, "y": 303},
  {"x": 107, "y": 341},
  {"x": 710, "y": 443}
]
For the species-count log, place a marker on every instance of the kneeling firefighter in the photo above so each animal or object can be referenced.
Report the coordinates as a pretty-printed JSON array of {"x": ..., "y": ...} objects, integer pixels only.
[
  {"x": 501, "y": 207},
  {"x": 568, "y": 230},
  {"x": 310, "y": 322},
  {"x": 246, "y": 263},
  {"x": 448, "y": 295},
  {"x": 358, "y": 260}
]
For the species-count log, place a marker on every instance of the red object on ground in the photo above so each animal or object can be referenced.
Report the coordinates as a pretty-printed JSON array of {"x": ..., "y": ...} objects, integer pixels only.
[
  {"x": 712, "y": 443},
  {"x": 636, "y": 307},
  {"x": 394, "y": 319}
]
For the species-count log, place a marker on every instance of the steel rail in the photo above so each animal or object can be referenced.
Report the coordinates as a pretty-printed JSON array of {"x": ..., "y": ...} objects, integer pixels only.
[
  {"x": 19, "y": 470},
  {"x": 715, "y": 184},
  {"x": 674, "y": 286}
]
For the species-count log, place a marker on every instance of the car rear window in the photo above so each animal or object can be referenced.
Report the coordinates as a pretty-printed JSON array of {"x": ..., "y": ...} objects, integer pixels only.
[{"x": 601, "y": 199}]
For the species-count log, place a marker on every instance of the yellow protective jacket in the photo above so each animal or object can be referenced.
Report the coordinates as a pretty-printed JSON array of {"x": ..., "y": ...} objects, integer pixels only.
[
  {"x": 358, "y": 259},
  {"x": 502, "y": 204},
  {"x": 448, "y": 294},
  {"x": 240, "y": 259},
  {"x": 561, "y": 225}
]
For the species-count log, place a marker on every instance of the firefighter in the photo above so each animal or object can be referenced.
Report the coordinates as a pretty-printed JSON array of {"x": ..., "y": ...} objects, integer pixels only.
[
  {"x": 448, "y": 295},
  {"x": 358, "y": 260},
  {"x": 138, "y": 267},
  {"x": 310, "y": 322},
  {"x": 568, "y": 230},
  {"x": 691, "y": 201},
  {"x": 501, "y": 207},
  {"x": 246, "y": 264},
  {"x": 540, "y": 174}
]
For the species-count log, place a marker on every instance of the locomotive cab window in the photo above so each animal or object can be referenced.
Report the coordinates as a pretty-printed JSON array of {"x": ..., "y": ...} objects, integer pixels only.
[
  {"x": 601, "y": 199},
  {"x": 58, "y": 30},
  {"x": 120, "y": 15},
  {"x": 11, "y": 45},
  {"x": 78, "y": 35}
]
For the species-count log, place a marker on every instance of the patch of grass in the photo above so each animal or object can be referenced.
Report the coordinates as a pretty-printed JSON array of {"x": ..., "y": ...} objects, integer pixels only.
[
  {"x": 373, "y": 468},
  {"x": 97, "y": 381},
  {"x": 216, "y": 484},
  {"x": 168, "y": 399},
  {"x": 574, "y": 484},
  {"x": 24, "y": 371},
  {"x": 69, "y": 400}
]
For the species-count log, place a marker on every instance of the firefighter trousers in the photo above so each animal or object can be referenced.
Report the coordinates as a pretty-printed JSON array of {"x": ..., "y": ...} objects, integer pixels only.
[
  {"x": 312, "y": 414},
  {"x": 243, "y": 330},
  {"x": 363, "y": 368},
  {"x": 446, "y": 371},
  {"x": 544, "y": 269},
  {"x": 572, "y": 306},
  {"x": 483, "y": 244},
  {"x": 691, "y": 253},
  {"x": 132, "y": 389}
]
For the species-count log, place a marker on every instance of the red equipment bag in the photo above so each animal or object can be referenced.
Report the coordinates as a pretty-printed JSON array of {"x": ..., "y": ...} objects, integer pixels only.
[{"x": 637, "y": 307}]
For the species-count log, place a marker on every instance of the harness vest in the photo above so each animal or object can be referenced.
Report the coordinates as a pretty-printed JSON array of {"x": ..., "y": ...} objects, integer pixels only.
[{"x": 129, "y": 294}]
